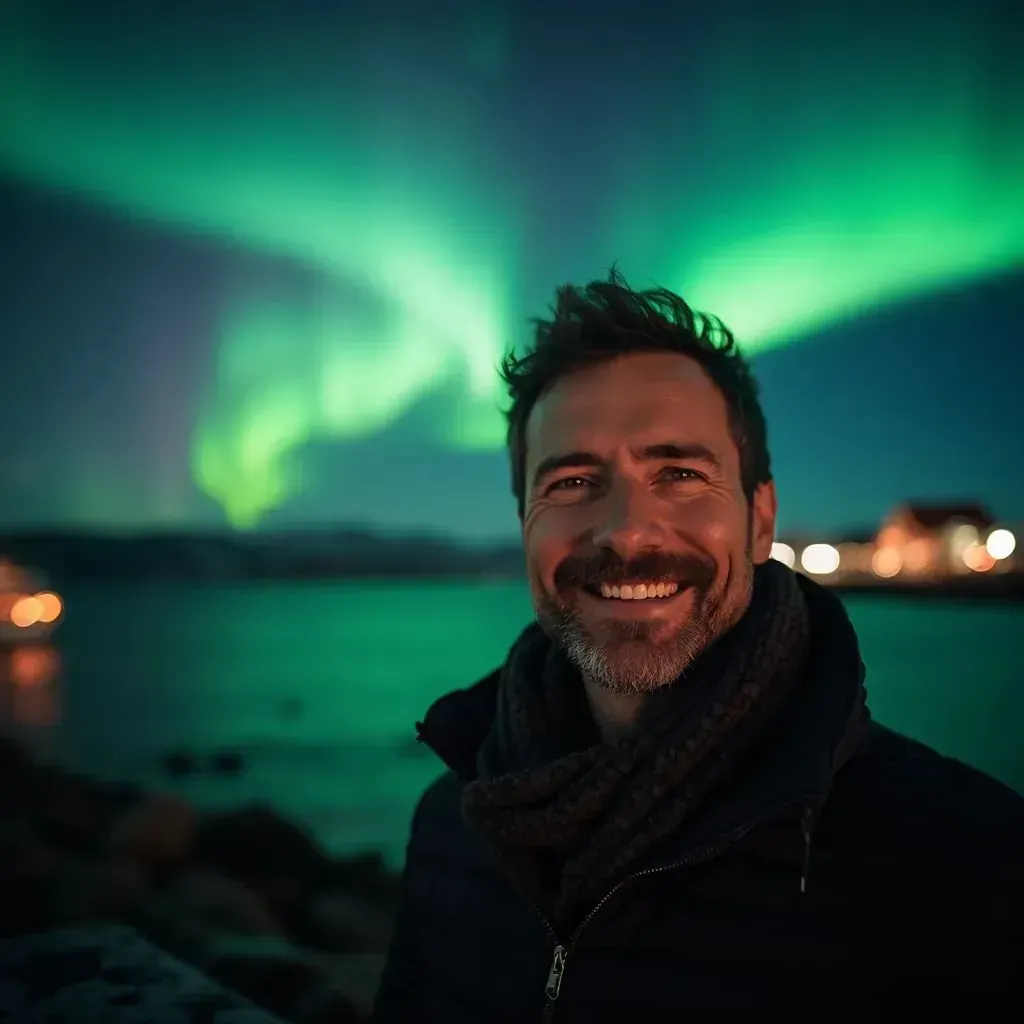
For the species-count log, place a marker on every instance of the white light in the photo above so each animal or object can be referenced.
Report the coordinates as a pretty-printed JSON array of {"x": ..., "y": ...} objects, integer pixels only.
[
  {"x": 1001, "y": 544},
  {"x": 820, "y": 559},
  {"x": 784, "y": 553},
  {"x": 962, "y": 538}
]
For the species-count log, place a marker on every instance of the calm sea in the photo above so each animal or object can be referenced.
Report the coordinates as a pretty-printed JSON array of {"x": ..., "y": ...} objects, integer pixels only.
[{"x": 318, "y": 687}]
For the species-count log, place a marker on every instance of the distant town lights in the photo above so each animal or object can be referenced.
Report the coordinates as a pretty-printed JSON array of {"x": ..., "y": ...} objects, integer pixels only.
[
  {"x": 26, "y": 611},
  {"x": 1000, "y": 544},
  {"x": 962, "y": 538},
  {"x": 887, "y": 562},
  {"x": 978, "y": 559},
  {"x": 784, "y": 553},
  {"x": 820, "y": 559}
]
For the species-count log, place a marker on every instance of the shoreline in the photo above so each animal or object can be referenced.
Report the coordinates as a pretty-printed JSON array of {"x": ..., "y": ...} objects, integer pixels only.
[
  {"x": 1008, "y": 588},
  {"x": 247, "y": 895}
]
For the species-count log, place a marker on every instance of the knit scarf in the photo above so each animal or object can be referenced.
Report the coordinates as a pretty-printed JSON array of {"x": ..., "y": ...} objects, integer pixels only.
[{"x": 579, "y": 812}]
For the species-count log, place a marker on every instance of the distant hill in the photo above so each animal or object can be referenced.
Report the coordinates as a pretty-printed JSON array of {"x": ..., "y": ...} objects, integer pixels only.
[{"x": 231, "y": 556}]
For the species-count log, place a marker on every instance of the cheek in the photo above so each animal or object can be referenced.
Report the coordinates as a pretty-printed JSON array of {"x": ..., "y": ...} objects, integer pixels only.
[
  {"x": 546, "y": 543},
  {"x": 717, "y": 525}
]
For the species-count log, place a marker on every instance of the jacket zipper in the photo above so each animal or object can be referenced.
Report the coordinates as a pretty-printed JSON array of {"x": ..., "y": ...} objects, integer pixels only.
[
  {"x": 553, "y": 986},
  {"x": 554, "y": 983}
]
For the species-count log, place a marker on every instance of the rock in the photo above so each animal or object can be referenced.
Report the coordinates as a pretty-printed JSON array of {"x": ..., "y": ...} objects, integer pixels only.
[
  {"x": 22, "y": 850},
  {"x": 164, "y": 922},
  {"x": 223, "y": 904},
  {"x": 159, "y": 832},
  {"x": 273, "y": 856},
  {"x": 271, "y": 972},
  {"x": 99, "y": 890},
  {"x": 67, "y": 811},
  {"x": 227, "y": 762},
  {"x": 178, "y": 763},
  {"x": 367, "y": 874},
  {"x": 29, "y": 870},
  {"x": 17, "y": 776},
  {"x": 347, "y": 922},
  {"x": 110, "y": 973},
  {"x": 327, "y": 1004},
  {"x": 354, "y": 977}
]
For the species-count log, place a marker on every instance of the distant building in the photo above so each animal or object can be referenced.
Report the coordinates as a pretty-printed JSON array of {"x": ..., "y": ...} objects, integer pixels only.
[{"x": 920, "y": 539}]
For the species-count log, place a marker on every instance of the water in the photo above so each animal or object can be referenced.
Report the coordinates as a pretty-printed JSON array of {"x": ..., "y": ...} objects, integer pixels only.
[{"x": 319, "y": 687}]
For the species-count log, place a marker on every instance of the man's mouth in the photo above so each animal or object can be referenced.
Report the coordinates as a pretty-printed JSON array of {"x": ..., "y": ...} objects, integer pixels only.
[{"x": 641, "y": 590}]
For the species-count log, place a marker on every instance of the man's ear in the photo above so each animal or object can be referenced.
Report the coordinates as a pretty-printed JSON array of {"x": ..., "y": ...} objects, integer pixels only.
[{"x": 763, "y": 511}]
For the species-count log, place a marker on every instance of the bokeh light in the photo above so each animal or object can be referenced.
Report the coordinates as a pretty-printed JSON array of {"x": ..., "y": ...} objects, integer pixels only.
[
  {"x": 1001, "y": 544},
  {"x": 820, "y": 559},
  {"x": 27, "y": 611},
  {"x": 784, "y": 553}
]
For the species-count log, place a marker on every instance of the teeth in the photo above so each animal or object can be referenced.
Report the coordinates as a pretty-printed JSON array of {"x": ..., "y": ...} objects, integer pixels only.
[{"x": 638, "y": 591}]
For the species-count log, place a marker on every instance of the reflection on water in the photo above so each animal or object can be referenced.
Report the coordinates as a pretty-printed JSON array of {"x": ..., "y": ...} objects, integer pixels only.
[{"x": 30, "y": 690}]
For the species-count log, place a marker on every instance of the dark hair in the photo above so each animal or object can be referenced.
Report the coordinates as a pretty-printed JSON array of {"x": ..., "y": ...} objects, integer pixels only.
[{"x": 607, "y": 319}]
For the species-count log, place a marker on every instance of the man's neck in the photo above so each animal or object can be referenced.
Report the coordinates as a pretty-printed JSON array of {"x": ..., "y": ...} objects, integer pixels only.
[{"x": 615, "y": 714}]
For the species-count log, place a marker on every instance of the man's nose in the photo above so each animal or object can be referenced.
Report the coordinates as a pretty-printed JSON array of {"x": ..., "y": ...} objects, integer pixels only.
[{"x": 629, "y": 524}]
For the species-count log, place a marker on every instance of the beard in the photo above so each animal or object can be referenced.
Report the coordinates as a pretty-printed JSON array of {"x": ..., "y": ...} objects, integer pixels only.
[{"x": 630, "y": 657}]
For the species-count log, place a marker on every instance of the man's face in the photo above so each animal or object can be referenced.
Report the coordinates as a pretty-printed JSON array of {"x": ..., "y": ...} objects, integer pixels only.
[{"x": 640, "y": 544}]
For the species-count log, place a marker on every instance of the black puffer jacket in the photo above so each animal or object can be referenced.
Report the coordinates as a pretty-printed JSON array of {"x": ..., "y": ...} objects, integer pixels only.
[{"x": 828, "y": 883}]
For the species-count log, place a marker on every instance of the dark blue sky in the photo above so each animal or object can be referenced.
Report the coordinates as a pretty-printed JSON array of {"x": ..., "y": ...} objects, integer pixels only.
[{"x": 269, "y": 278}]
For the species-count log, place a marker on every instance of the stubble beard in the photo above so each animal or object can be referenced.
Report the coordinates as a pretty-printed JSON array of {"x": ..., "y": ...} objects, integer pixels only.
[{"x": 639, "y": 657}]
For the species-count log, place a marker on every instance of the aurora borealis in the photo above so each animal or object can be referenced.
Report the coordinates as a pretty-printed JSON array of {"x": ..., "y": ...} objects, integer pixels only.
[{"x": 432, "y": 171}]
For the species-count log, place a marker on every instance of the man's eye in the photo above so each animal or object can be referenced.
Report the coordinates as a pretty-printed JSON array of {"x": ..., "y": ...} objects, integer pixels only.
[
  {"x": 673, "y": 473},
  {"x": 569, "y": 483}
]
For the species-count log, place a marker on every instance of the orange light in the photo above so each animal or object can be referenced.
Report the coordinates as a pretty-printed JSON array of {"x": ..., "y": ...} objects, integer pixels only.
[
  {"x": 977, "y": 558},
  {"x": 892, "y": 536},
  {"x": 52, "y": 606},
  {"x": 886, "y": 562},
  {"x": 34, "y": 666},
  {"x": 26, "y": 612},
  {"x": 917, "y": 556}
]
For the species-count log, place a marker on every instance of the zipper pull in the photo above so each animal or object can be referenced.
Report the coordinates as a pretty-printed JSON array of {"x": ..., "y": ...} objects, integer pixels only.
[
  {"x": 806, "y": 824},
  {"x": 554, "y": 985}
]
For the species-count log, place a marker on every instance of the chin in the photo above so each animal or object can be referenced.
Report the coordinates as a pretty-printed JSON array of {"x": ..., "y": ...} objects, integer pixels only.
[{"x": 629, "y": 666}]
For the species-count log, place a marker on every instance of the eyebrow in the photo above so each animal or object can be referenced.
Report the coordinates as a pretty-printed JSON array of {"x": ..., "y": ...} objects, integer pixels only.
[{"x": 652, "y": 453}]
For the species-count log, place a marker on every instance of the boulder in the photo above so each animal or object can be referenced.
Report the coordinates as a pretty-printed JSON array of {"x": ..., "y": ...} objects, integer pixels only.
[
  {"x": 172, "y": 927},
  {"x": 350, "y": 977},
  {"x": 227, "y": 762},
  {"x": 271, "y": 972},
  {"x": 351, "y": 923},
  {"x": 17, "y": 776},
  {"x": 178, "y": 763},
  {"x": 255, "y": 843},
  {"x": 98, "y": 890},
  {"x": 326, "y": 1003},
  {"x": 273, "y": 856},
  {"x": 29, "y": 869},
  {"x": 368, "y": 874},
  {"x": 222, "y": 904},
  {"x": 67, "y": 811},
  {"x": 159, "y": 832},
  {"x": 110, "y": 974}
]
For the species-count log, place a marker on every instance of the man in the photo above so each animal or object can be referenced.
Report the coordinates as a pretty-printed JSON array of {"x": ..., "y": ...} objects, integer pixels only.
[{"x": 670, "y": 802}]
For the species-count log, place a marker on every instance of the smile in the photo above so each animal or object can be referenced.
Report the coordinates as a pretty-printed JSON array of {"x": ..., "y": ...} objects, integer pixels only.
[{"x": 639, "y": 591}]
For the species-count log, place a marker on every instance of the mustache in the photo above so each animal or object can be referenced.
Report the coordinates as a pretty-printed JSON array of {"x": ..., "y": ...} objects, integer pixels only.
[{"x": 607, "y": 567}]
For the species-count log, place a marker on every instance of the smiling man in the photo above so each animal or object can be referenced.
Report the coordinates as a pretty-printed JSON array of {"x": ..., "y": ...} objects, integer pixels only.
[{"x": 670, "y": 802}]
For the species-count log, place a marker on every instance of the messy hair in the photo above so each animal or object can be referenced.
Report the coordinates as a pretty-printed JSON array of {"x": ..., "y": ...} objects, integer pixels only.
[{"x": 607, "y": 319}]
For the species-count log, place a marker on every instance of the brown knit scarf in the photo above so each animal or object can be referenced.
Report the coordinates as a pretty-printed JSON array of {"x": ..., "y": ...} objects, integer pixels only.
[{"x": 582, "y": 812}]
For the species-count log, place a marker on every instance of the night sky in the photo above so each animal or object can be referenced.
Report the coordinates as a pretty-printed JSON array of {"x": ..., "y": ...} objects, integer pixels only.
[{"x": 259, "y": 260}]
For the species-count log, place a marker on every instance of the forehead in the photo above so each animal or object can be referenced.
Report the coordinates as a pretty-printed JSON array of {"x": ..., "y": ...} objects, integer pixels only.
[{"x": 643, "y": 398}]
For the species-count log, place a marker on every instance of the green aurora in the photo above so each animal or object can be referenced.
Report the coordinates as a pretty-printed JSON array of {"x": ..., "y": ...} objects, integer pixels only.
[{"x": 865, "y": 197}]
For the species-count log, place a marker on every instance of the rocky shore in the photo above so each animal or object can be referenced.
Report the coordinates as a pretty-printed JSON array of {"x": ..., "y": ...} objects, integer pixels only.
[{"x": 246, "y": 896}]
